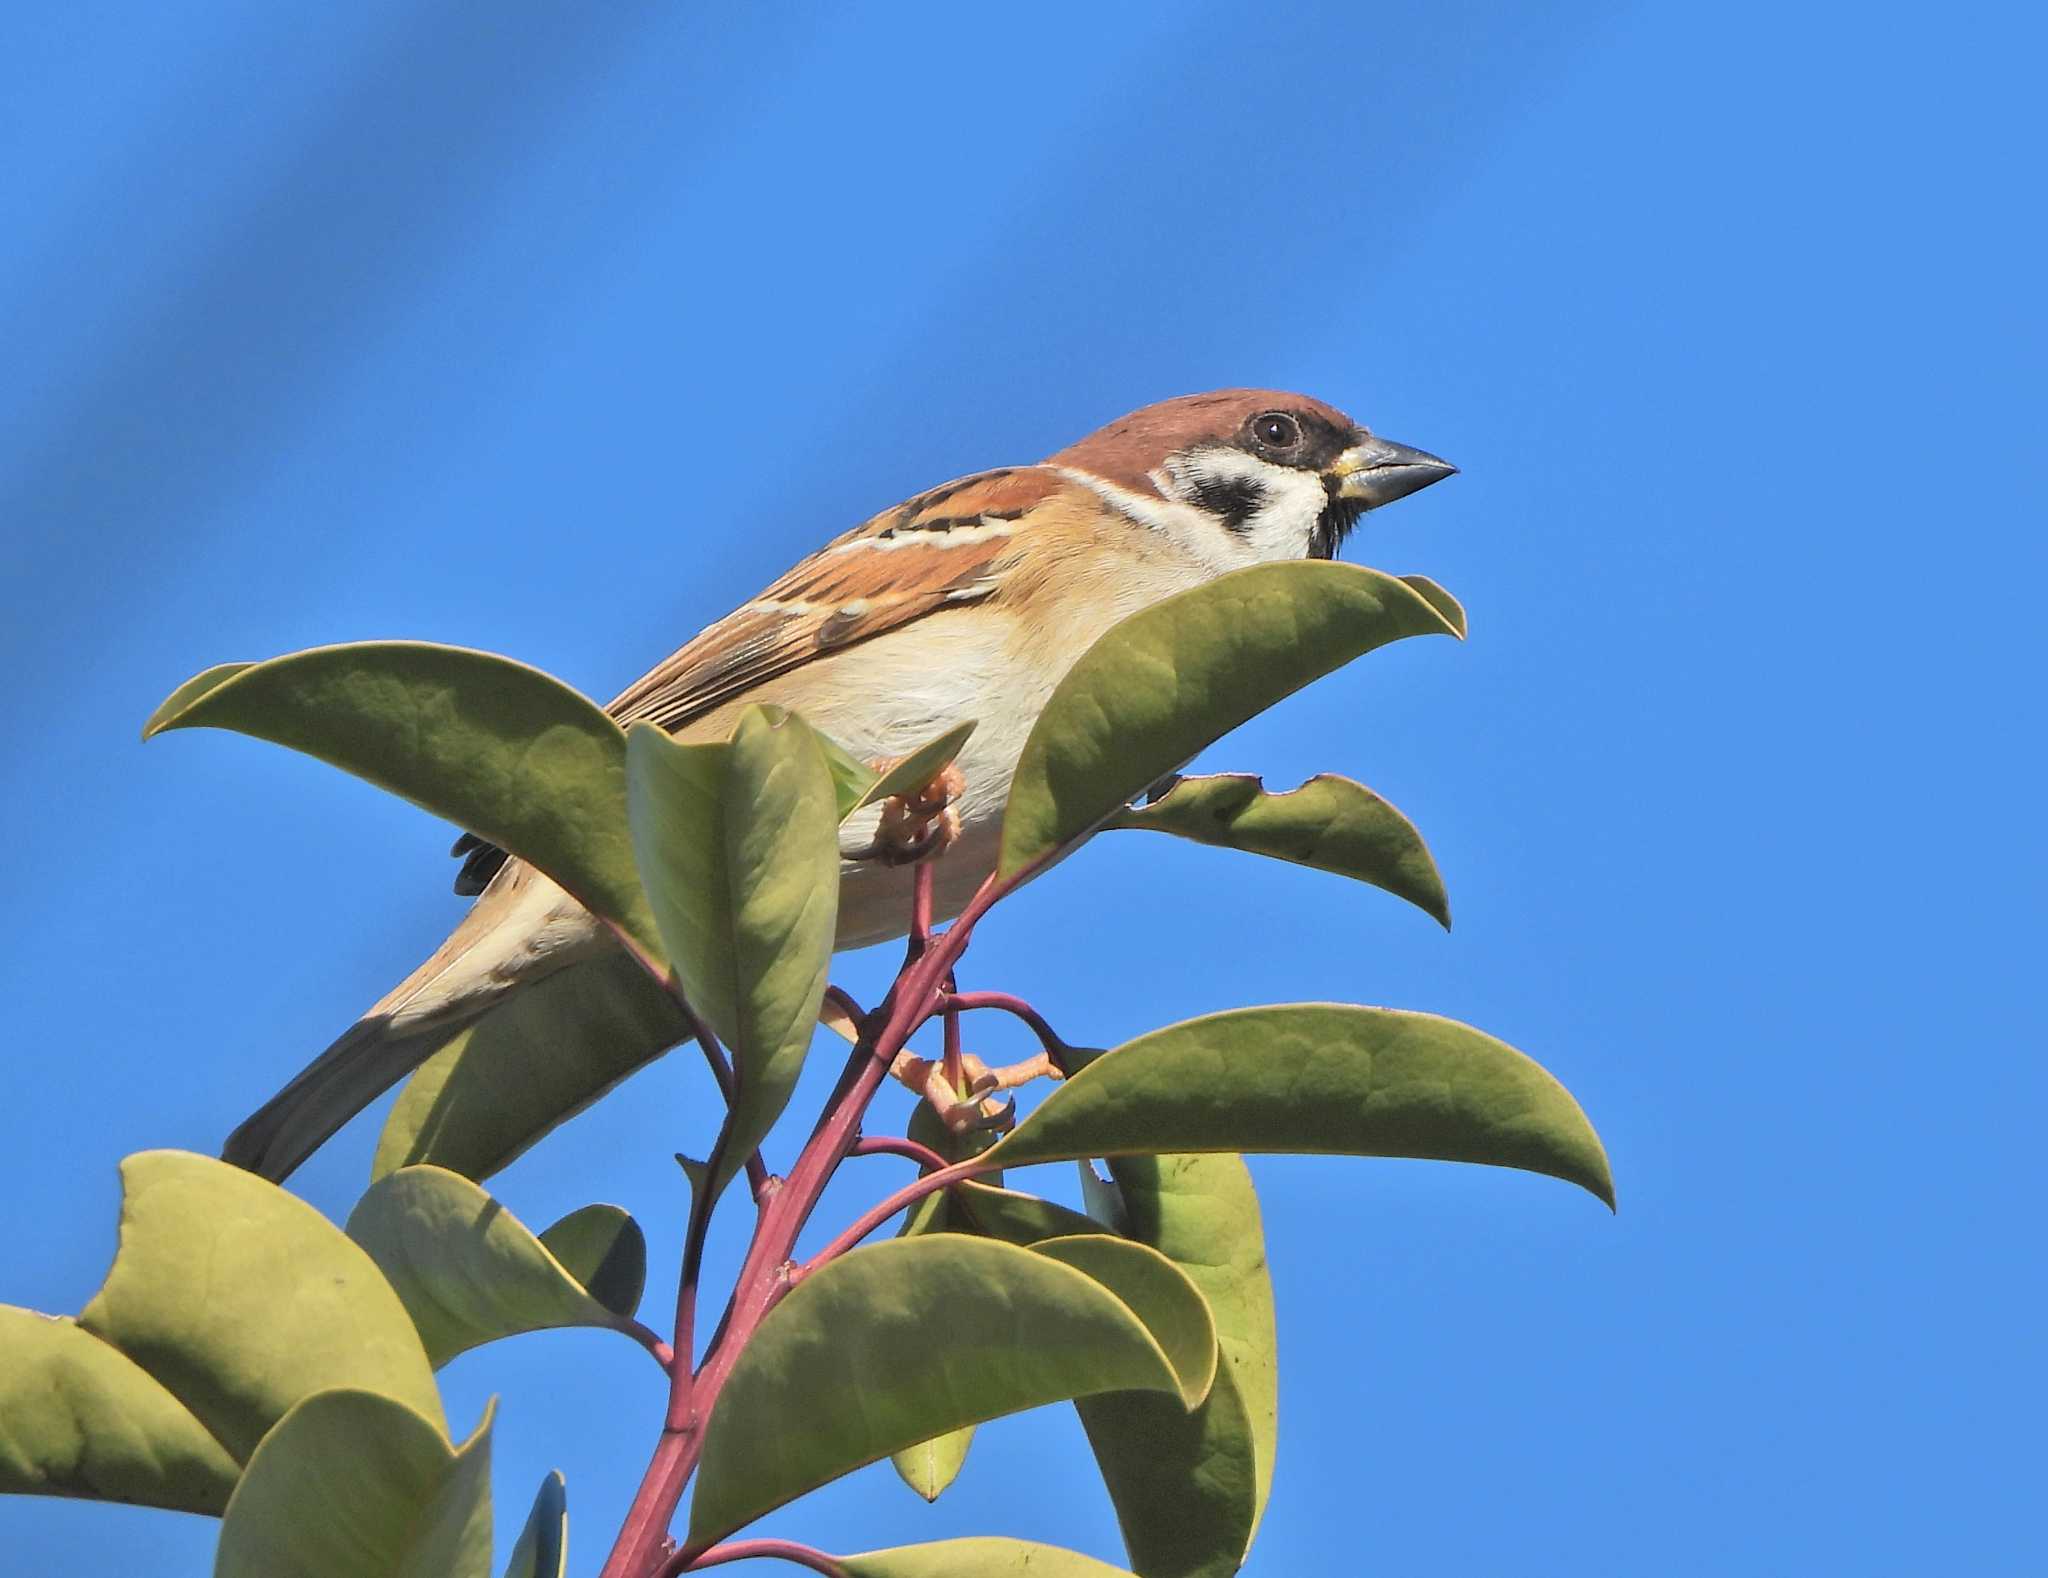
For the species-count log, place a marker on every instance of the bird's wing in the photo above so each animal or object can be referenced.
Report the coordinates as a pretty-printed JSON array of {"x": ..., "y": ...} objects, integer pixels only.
[
  {"x": 946, "y": 548},
  {"x": 943, "y": 549}
]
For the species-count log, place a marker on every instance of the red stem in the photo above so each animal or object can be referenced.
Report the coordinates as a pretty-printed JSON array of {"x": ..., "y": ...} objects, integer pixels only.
[
  {"x": 664, "y": 1355},
  {"x": 846, "y": 1004},
  {"x": 765, "y": 1274},
  {"x": 1004, "y": 1002},
  {"x": 757, "y": 1169},
  {"x": 743, "y": 1550},
  {"x": 721, "y": 1071},
  {"x": 875, "y": 1215},
  {"x": 898, "y": 1145}
]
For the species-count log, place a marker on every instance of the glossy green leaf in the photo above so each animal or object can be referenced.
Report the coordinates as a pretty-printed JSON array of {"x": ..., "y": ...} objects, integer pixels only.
[
  {"x": 536, "y": 1060},
  {"x": 1104, "y": 1201},
  {"x": 1013, "y": 1217},
  {"x": 897, "y": 1343},
  {"x": 986, "y": 1557},
  {"x": 189, "y": 692},
  {"x": 505, "y": 751},
  {"x": 80, "y": 1418},
  {"x": 602, "y": 1248},
  {"x": 852, "y": 778},
  {"x": 1441, "y": 600},
  {"x": 1329, "y": 823},
  {"x": 934, "y": 1213},
  {"x": 1318, "y": 1077},
  {"x": 930, "y": 1466},
  {"x": 929, "y": 1130},
  {"x": 355, "y": 1485},
  {"x": 858, "y": 784},
  {"x": 695, "y": 1173},
  {"x": 738, "y": 846},
  {"x": 542, "y": 1550},
  {"x": 1189, "y": 1487},
  {"x": 241, "y": 1299},
  {"x": 920, "y": 767},
  {"x": 467, "y": 1270},
  {"x": 1158, "y": 1292},
  {"x": 1175, "y": 676},
  {"x": 988, "y": 1212}
]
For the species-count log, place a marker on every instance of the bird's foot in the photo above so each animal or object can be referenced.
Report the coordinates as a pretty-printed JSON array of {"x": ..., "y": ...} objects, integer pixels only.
[{"x": 917, "y": 826}]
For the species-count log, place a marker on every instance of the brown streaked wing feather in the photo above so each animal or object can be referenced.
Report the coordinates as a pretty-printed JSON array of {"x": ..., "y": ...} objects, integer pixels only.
[
  {"x": 945, "y": 548},
  {"x": 949, "y": 546}
]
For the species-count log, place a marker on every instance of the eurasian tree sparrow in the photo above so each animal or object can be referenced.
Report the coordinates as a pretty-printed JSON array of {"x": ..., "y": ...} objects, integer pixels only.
[{"x": 970, "y": 600}]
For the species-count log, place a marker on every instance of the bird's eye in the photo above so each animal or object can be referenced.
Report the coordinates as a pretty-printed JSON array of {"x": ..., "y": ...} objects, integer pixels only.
[{"x": 1276, "y": 430}]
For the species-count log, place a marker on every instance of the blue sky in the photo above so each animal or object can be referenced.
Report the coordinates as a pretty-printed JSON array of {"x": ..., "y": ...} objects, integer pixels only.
[{"x": 559, "y": 330}]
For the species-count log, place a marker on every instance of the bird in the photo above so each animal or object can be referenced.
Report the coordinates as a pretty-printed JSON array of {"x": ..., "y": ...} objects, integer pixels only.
[{"x": 970, "y": 600}]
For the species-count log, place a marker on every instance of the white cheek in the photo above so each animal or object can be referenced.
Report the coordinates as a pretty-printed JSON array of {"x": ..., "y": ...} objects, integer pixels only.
[
  {"x": 1282, "y": 528},
  {"x": 1291, "y": 502}
]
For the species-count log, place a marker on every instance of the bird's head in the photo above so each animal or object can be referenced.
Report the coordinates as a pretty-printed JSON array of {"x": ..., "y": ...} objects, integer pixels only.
[{"x": 1277, "y": 476}]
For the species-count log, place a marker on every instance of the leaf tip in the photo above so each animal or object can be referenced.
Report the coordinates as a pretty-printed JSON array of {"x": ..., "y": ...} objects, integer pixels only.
[
  {"x": 1598, "y": 1178},
  {"x": 1447, "y": 607}
]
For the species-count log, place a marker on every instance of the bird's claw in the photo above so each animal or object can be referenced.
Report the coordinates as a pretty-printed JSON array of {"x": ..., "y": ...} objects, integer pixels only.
[{"x": 916, "y": 826}]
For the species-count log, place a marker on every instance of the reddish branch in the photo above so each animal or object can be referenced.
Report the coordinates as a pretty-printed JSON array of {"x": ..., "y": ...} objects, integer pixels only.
[
  {"x": 742, "y": 1550},
  {"x": 875, "y": 1215},
  {"x": 895, "y": 1145},
  {"x": 919, "y": 992},
  {"x": 1004, "y": 1002}
]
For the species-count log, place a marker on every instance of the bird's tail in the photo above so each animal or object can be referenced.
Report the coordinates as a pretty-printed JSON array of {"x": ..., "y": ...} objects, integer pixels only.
[
  {"x": 521, "y": 930},
  {"x": 371, "y": 1056}
]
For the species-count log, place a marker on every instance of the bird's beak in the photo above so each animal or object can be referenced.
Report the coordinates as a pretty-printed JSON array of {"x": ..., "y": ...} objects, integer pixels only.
[{"x": 1377, "y": 471}]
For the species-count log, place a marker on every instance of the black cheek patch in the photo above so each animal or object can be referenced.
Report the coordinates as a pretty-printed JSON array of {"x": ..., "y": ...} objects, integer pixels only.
[{"x": 1232, "y": 500}]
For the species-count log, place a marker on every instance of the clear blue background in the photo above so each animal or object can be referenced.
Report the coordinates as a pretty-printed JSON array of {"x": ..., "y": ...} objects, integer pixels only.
[{"x": 559, "y": 330}]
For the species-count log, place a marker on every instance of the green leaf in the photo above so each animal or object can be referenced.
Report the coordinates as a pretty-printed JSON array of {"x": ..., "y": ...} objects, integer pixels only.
[
  {"x": 896, "y": 1343},
  {"x": 695, "y": 1173},
  {"x": 852, "y": 778},
  {"x": 738, "y": 846},
  {"x": 1329, "y": 823},
  {"x": 543, "y": 1547},
  {"x": 986, "y": 1557},
  {"x": 1013, "y": 1217},
  {"x": 500, "y": 749},
  {"x": 1105, "y": 1203},
  {"x": 1317, "y": 1077},
  {"x": 79, "y": 1418},
  {"x": 195, "y": 687},
  {"x": 1158, "y": 1292},
  {"x": 1175, "y": 676},
  {"x": 934, "y": 1213},
  {"x": 535, "y": 1061},
  {"x": 1441, "y": 600},
  {"x": 355, "y": 1485},
  {"x": 603, "y": 1248},
  {"x": 929, "y": 1130},
  {"x": 468, "y": 1271},
  {"x": 920, "y": 767},
  {"x": 241, "y": 1299},
  {"x": 988, "y": 1212},
  {"x": 930, "y": 1466},
  {"x": 858, "y": 784},
  {"x": 1189, "y": 1487}
]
